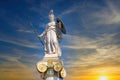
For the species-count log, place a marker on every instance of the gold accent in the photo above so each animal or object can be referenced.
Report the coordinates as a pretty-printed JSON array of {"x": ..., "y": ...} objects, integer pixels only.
[
  {"x": 41, "y": 67},
  {"x": 58, "y": 67},
  {"x": 43, "y": 75},
  {"x": 63, "y": 73},
  {"x": 50, "y": 62}
]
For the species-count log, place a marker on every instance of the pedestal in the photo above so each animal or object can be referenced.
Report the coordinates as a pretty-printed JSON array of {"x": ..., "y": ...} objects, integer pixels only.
[{"x": 51, "y": 68}]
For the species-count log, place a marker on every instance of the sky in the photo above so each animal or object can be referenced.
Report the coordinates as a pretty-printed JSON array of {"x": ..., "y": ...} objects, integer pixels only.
[{"x": 90, "y": 49}]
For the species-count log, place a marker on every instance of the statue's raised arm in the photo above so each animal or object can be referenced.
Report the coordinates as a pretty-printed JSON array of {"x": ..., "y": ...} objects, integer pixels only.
[{"x": 52, "y": 34}]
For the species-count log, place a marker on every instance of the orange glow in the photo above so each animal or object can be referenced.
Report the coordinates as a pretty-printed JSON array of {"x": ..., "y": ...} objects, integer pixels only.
[{"x": 104, "y": 73}]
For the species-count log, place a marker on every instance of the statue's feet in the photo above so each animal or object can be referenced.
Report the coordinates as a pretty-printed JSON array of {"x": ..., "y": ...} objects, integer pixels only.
[{"x": 52, "y": 53}]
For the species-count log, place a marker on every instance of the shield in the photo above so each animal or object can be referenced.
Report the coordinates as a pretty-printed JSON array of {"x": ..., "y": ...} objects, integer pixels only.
[{"x": 60, "y": 26}]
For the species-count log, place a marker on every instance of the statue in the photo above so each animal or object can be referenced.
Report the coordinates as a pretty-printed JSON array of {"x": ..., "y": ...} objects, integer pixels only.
[
  {"x": 52, "y": 35},
  {"x": 51, "y": 67}
]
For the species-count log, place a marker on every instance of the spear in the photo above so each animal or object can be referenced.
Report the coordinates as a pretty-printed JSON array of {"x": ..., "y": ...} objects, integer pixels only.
[{"x": 36, "y": 33}]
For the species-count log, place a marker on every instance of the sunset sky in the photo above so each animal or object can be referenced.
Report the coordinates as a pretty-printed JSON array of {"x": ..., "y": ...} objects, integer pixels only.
[{"x": 90, "y": 49}]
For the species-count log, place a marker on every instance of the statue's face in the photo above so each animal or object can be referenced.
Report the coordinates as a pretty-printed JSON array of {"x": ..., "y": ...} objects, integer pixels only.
[{"x": 51, "y": 17}]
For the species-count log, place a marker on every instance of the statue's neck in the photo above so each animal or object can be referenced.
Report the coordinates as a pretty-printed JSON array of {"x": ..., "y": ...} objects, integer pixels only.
[{"x": 52, "y": 21}]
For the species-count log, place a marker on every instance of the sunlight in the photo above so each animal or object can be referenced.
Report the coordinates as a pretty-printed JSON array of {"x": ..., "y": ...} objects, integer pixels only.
[{"x": 103, "y": 78}]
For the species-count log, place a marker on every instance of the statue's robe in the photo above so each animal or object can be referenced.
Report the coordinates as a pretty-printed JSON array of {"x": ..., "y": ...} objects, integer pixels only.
[{"x": 51, "y": 40}]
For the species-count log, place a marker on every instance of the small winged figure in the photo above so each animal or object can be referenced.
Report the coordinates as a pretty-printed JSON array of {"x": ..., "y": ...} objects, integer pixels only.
[{"x": 52, "y": 35}]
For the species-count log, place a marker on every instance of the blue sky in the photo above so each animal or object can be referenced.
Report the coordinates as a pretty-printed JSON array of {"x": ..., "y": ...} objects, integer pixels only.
[{"x": 92, "y": 41}]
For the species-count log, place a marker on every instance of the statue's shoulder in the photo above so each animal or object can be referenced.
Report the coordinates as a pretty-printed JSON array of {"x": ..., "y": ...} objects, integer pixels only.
[{"x": 48, "y": 24}]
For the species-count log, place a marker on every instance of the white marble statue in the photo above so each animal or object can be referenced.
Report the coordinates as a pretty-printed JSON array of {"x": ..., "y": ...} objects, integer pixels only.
[{"x": 51, "y": 44}]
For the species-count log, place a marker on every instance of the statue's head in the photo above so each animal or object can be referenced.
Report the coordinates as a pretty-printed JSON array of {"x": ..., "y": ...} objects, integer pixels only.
[{"x": 51, "y": 15}]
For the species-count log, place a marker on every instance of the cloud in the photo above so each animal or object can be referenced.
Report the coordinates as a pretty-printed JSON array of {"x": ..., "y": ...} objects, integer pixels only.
[
  {"x": 14, "y": 66},
  {"x": 107, "y": 15},
  {"x": 25, "y": 31},
  {"x": 73, "y": 8},
  {"x": 91, "y": 18},
  {"x": 92, "y": 56},
  {"x": 42, "y": 8},
  {"x": 19, "y": 42},
  {"x": 93, "y": 52},
  {"x": 78, "y": 42},
  {"x": 68, "y": 11}
]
